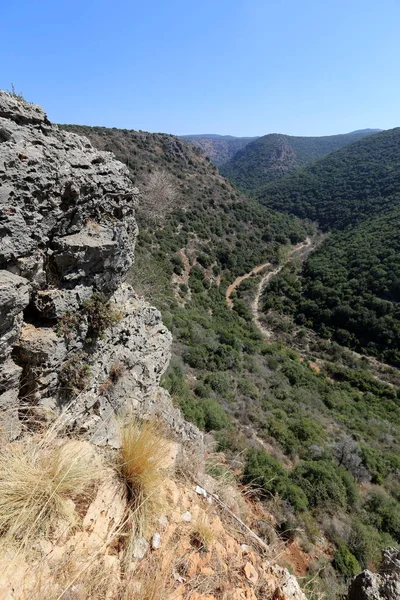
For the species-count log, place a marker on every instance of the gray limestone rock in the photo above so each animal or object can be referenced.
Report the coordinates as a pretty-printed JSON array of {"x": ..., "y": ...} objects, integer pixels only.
[
  {"x": 384, "y": 585},
  {"x": 67, "y": 235}
]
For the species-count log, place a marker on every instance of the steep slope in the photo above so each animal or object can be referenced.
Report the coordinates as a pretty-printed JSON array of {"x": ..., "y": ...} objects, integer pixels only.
[
  {"x": 71, "y": 330},
  {"x": 274, "y": 155},
  {"x": 323, "y": 440},
  {"x": 349, "y": 289},
  {"x": 353, "y": 183},
  {"x": 219, "y": 148},
  {"x": 222, "y": 227}
]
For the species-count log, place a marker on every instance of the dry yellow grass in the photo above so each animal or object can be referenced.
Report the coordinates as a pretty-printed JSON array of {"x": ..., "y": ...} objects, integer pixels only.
[
  {"x": 202, "y": 534},
  {"x": 142, "y": 459},
  {"x": 37, "y": 481}
]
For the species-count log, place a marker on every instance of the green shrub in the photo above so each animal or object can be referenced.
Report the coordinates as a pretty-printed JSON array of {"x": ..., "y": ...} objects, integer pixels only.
[
  {"x": 345, "y": 562},
  {"x": 263, "y": 472},
  {"x": 321, "y": 484},
  {"x": 248, "y": 388},
  {"x": 293, "y": 494},
  {"x": 215, "y": 417},
  {"x": 352, "y": 494},
  {"x": 100, "y": 315},
  {"x": 383, "y": 513},
  {"x": 219, "y": 382},
  {"x": 307, "y": 431},
  {"x": 365, "y": 543}
]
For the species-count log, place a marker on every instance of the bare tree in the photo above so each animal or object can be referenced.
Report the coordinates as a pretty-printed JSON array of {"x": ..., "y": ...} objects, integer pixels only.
[
  {"x": 347, "y": 454},
  {"x": 160, "y": 196}
]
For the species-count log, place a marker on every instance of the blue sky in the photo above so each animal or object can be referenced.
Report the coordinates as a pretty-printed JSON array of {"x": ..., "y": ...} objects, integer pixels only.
[{"x": 240, "y": 67}]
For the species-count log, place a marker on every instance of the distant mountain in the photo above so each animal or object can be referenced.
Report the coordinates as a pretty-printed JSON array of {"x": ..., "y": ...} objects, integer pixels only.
[
  {"x": 219, "y": 148},
  {"x": 271, "y": 156},
  {"x": 345, "y": 187}
]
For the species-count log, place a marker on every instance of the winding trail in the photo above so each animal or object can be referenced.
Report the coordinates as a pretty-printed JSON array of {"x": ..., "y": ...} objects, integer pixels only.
[
  {"x": 303, "y": 247},
  {"x": 239, "y": 280},
  {"x": 300, "y": 249}
]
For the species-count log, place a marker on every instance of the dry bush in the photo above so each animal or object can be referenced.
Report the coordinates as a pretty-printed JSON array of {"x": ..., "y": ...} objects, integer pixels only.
[
  {"x": 141, "y": 462},
  {"x": 160, "y": 196},
  {"x": 96, "y": 581},
  {"x": 38, "y": 478}
]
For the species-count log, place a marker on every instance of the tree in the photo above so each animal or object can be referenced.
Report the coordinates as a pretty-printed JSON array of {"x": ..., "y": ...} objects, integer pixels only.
[{"x": 159, "y": 197}]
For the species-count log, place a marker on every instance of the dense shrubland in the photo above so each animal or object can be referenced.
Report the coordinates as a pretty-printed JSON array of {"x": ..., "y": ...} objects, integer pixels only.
[
  {"x": 333, "y": 436},
  {"x": 349, "y": 289},
  {"x": 272, "y": 156},
  {"x": 358, "y": 181}
]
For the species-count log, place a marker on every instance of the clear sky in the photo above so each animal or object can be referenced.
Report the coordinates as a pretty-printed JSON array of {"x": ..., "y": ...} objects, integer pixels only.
[{"x": 240, "y": 67}]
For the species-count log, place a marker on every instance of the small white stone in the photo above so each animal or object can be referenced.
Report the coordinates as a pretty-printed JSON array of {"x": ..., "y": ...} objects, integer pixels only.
[
  {"x": 245, "y": 548},
  {"x": 156, "y": 541},
  {"x": 209, "y": 500},
  {"x": 140, "y": 547},
  {"x": 163, "y": 521},
  {"x": 187, "y": 517},
  {"x": 201, "y": 491}
]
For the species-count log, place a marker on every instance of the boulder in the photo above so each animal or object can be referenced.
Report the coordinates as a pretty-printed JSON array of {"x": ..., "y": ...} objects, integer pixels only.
[{"x": 384, "y": 585}]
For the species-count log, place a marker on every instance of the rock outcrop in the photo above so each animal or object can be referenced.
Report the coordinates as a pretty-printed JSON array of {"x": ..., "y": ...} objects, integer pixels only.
[
  {"x": 74, "y": 338},
  {"x": 384, "y": 585}
]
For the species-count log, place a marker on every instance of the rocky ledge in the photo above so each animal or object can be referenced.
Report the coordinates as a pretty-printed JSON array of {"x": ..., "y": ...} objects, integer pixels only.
[
  {"x": 75, "y": 340},
  {"x": 384, "y": 585}
]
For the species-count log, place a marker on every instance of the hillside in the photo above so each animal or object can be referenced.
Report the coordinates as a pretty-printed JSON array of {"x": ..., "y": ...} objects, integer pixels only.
[
  {"x": 219, "y": 148},
  {"x": 274, "y": 155},
  {"x": 353, "y": 183},
  {"x": 317, "y": 442},
  {"x": 349, "y": 289},
  {"x": 219, "y": 224}
]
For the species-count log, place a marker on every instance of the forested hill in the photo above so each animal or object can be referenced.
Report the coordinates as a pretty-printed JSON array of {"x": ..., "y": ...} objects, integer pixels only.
[
  {"x": 249, "y": 393},
  {"x": 345, "y": 187},
  {"x": 227, "y": 229},
  {"x": 272, "y": 156},
  {"x": 349, "y": 290},
  {"x": 219, "y": 148}
]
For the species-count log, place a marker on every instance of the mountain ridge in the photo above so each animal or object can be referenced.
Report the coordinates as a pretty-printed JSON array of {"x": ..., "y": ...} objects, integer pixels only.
[{"x": 274, "y": 155}]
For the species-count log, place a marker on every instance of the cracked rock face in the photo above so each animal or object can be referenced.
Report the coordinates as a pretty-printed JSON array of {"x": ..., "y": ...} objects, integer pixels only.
[
  {"x": 67, "y": 236},
  {"x": 384, "y": 585}
]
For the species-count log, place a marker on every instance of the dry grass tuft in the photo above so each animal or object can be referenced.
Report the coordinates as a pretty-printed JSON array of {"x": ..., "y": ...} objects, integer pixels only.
[
  {"x": 142, "y": 458},
  {"x": 151, "y": 581},
  {"x": 142, "y": 465},
  {"x": 202, "y": 535},
  {"x": 38, "y": 479}
]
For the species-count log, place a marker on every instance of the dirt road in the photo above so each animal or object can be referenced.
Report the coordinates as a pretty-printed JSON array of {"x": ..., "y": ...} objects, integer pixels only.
[{"x": 303, "y": 246}]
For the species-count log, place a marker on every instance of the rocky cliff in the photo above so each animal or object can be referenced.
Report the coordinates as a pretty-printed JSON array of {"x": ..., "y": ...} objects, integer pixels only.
[
  {"x": 75, "y": 339},
  {"x": 384, "y": 585}
]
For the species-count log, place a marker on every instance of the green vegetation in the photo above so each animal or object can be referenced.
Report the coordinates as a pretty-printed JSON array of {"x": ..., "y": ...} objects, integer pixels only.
[
  {"x": 358, "y": 181},
  {"x": 98, "y": 313},
  {"x": 346, "y": 563},
  {"x": 349, "y": 289},
  {"x": 328, "y": 431},
  {"x": 272, "y": 156}
]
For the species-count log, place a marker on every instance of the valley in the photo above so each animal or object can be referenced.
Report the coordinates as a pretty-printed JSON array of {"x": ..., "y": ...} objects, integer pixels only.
[{"x": 319, "y": 425}]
